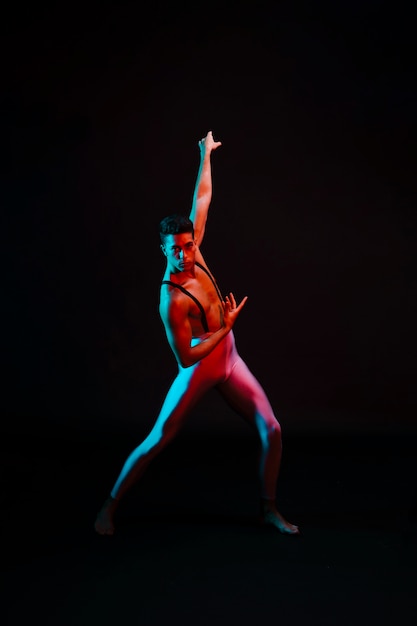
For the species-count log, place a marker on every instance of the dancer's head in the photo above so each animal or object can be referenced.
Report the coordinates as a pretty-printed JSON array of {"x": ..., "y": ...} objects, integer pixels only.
[
  {"x": 174, "y": 225},
  {"x": 177, "y": 242}
]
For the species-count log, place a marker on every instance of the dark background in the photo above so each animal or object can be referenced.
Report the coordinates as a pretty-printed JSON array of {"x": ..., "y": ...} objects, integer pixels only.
[
  {"x": 313, "y": 213},
  {"x": 313, "y": 217}
]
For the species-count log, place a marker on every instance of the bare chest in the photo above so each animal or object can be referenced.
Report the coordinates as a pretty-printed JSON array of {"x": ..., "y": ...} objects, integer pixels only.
[
  {"x": 206, "y": 298},
  {"x": 203, "y": 302}
]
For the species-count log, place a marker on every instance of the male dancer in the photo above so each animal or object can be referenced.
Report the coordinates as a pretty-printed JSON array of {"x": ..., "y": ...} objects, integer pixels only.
[{"x": 198, "y": 323}]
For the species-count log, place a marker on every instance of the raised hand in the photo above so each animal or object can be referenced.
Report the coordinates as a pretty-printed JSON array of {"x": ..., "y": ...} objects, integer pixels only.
[
  {"x": 207, "y": 144},
  {"x": 231, "y": 310}
]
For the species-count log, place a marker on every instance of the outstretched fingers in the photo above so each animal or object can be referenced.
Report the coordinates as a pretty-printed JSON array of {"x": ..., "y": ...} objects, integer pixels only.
[
  {"x": 242, "y": 304},
  {"x": 230, "y": 303}
]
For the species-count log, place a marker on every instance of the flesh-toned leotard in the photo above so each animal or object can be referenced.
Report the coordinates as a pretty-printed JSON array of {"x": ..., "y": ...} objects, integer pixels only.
[
  {"x": 224, "y": 370},
  {"x": 192, "y": 382}
]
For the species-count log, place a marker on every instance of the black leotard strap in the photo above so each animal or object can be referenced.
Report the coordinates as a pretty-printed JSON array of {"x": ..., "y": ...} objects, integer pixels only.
[{"x": 190, "y": 295}]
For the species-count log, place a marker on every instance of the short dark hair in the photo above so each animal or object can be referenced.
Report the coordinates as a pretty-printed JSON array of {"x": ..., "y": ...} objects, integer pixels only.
[{"x": 174, "y": 225}]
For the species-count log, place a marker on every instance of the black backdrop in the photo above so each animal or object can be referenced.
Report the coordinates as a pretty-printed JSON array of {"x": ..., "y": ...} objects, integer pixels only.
[{"x": 313, "y": 212}]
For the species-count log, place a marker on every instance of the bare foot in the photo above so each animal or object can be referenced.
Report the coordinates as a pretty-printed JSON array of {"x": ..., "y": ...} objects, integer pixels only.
[
  {"x": 104, "y": 524},
  {"x": 271, "y": 517}
]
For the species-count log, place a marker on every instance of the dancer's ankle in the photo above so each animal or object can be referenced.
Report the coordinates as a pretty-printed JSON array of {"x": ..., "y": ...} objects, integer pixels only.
[{"x": 111, "y": 502}]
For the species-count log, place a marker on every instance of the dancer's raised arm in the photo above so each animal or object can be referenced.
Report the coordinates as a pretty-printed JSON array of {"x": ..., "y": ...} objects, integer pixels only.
[{"x": 203, "y": 187}]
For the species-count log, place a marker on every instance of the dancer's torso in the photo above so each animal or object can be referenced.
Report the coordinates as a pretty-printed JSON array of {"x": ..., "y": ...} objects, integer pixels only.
[{"x": 204, "y": 299}]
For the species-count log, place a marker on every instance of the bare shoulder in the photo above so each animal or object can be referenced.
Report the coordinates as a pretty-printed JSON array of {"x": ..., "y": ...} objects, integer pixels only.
[{"x": 173, "y": 305}]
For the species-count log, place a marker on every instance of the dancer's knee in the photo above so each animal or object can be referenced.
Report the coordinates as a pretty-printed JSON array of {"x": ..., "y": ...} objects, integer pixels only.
[
  {"x": 274, "y": 431},
  {"x": 163, "y": 433},
  {"x": 270, "y": 432},
  {"x": 157, "y": 439}
]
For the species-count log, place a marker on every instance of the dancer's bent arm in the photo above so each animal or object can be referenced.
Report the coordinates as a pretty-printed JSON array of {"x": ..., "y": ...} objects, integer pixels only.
[{"x": 174, "y": 312}]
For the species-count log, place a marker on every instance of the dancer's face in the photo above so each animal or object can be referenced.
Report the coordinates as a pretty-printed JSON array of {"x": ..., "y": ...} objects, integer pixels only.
[{"x": 180, "y": 251}]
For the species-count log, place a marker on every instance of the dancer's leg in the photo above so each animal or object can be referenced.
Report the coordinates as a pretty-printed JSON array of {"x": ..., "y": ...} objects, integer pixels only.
[
  {"x": 184, "y": 393},
  {"x": 244, "y": 393}
]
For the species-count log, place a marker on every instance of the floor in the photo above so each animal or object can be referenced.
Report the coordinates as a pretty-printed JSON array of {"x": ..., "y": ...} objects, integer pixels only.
[{"x": 189, "y": 548}]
